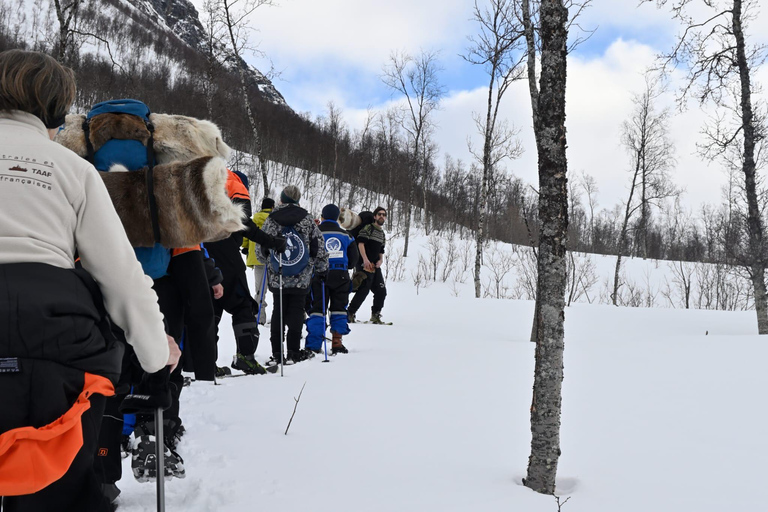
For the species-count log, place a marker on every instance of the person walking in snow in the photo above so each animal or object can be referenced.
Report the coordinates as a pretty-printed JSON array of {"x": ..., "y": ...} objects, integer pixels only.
[
  {"x": 58, "y": 364},
  {"x": 237, "y": 299},
  {"x": 289, "y": 272},
  {"x": 333, "y": 289},
  {"x": 371, "y": 242},
  {"x": 251, "y": 247}
]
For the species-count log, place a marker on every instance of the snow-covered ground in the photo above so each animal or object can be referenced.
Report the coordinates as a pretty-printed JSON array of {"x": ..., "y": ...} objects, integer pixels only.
[{"x": 663, "y": 410}]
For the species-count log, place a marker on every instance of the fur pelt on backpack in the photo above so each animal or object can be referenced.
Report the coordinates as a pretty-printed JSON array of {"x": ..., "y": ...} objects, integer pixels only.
[
  {"x": 189, "y": 180},
  {"x": 175, "y": 138},
  {"x": 190, "y": 207},
  {"x": 348, "y": 219}
]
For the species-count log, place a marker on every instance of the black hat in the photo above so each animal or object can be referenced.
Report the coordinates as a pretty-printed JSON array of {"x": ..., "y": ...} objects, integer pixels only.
[
  {"x": 331, "y": 212},
  {"x": 267, "y": 203}
]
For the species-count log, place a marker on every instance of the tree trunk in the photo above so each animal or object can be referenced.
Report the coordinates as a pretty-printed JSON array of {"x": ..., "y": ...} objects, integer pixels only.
[
  {"x": 534, "y": 93},
  {"x": 754, "y": 222},
  {"x": 247, "y": 101},
  {"x": 553, "y": 213},
  {"x": 483, "y": 213}
]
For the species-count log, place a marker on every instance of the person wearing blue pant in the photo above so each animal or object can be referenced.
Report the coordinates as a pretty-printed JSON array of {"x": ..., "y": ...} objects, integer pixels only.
[{"x": 342, "y": 254}]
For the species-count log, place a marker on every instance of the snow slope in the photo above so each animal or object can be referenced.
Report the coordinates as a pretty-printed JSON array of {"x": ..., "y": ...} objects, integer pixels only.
[{"x": 431, "y": 414}]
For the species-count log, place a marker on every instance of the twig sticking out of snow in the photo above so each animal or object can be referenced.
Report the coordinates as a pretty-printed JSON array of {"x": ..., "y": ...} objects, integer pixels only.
[{"x": 294, "y": 409}]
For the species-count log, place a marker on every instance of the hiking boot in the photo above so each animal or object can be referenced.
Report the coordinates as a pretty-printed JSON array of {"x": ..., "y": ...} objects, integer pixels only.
[
  {"x": 248, "y": 365},
  {"x": 350, "y": 318},
  {"x": 337, "y": 347},
  {"x": 222, "y": 371},
  {"x": 376, "y": 318},
  {"x": 144, "y": 461},
  {"x": 173, "y": 436},
  {"x": 300, "y": 355},
  {"x": 274, "y": 361},
  {"x": 340, "y": 349}
]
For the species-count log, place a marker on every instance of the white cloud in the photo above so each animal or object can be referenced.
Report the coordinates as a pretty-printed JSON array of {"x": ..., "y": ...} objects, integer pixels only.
[{"x": 334, "y": 50}]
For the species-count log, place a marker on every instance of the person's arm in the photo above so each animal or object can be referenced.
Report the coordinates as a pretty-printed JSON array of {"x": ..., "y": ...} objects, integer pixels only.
[
  {"x": 108, "y": 256},
  {"x": 366, "y": 261}
]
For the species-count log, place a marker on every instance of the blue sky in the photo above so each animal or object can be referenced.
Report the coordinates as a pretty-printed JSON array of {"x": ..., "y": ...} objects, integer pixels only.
[{"x": 335, "y": 50}]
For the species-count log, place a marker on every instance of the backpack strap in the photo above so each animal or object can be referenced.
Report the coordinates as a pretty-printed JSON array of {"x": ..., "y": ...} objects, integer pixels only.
[
  {"x": 88, "y": 145},
  {"x": 151, "y": 182}
]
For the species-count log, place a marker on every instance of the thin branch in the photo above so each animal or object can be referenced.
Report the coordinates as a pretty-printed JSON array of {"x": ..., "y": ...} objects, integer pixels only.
[{"x": 294, "y": 408}]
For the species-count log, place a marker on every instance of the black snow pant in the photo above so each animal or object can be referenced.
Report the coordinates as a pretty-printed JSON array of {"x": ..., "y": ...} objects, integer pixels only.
[
  {"x": 187, "y": 270},
  {"x": 292, "y": 307},
  {"x": 79, "y": 489},
  {"x": 108, "y": 463},
  {"x": 336, "y": 293},
  {"x": 373, "y": 281},
  {"x": 237, "y": 301}
]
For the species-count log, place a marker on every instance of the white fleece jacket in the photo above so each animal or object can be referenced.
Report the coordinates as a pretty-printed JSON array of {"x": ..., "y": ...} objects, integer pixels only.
[{"x": 53, "y": 203}]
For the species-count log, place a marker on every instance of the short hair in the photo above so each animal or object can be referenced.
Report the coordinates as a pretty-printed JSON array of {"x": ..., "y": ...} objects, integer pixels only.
[
  {"x": 379, "y": 209},
  {"x": 290, "y": 195},
  {"x": 35, "y": 83}
]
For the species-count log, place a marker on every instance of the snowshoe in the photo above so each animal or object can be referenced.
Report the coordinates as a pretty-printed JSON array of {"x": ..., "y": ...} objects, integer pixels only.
[
  {"x": 144, "y": 461},
  {"x": 248, "y": 365}
]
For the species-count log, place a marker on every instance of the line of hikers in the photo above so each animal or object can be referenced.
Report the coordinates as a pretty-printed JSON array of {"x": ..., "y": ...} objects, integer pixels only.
[{"x": 113, "y": 282}]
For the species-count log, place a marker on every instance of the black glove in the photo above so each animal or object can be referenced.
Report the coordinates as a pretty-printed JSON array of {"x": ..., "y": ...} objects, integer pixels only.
[
  {"x": 151, "y": 393},
  {"x": 278, "y": 243},
  {"x": 244, "y": 250},
  {"x": 322, "y": 276}
]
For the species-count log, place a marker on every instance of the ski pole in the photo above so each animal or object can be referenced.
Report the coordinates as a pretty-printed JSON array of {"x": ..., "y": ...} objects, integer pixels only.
[
  {"x": 325, "y": 340},
  {"x": 160, "y": 459},
  {"x": 282, "y": 326}
]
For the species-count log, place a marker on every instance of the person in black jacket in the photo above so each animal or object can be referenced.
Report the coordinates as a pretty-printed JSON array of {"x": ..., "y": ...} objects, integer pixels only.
[{"x": 237, "y": 299}]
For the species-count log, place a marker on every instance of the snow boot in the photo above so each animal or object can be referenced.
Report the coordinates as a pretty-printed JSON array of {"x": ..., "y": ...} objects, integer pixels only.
[
  {"x": 376, "y": 318},
  {"x": 337, "y": 347},
  {"x": 222, "y": 371},
  {"x": 248, "y": 365},
  {"x": 350, "y": 318}
]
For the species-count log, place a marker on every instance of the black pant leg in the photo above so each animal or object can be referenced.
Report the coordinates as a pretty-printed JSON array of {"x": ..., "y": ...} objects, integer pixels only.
[
  {"x": 379, "y": 289},
  {"x": 108, "y": 462},
  {"x": 294, "y": 319},
  {"x": 188, "y": 273},
  {"x": 172, "y": 308}
]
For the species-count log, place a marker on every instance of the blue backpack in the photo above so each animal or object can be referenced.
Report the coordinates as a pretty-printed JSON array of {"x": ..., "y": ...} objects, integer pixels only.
[
  {"x": 134, "y": 155},
  {"x": 295, "y": 258}
]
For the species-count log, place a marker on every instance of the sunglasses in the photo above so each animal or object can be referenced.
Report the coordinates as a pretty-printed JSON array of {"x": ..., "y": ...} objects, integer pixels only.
[{"x": 381, "y": 214}]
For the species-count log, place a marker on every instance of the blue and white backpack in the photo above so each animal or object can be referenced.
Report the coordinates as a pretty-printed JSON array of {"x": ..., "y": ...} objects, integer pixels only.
[{"x": 295, "y": 258}]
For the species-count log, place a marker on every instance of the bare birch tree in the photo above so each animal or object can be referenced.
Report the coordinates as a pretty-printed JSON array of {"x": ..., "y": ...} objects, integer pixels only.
[
  {"x": 646, "y": 137},
  {"x": 720, "y": 63},
  {"x": 548, "y": 102},
  {"x": 416, "y": 79},
  {"x": 500, "y": 49},
  {"x": 234, "y": 16}
]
